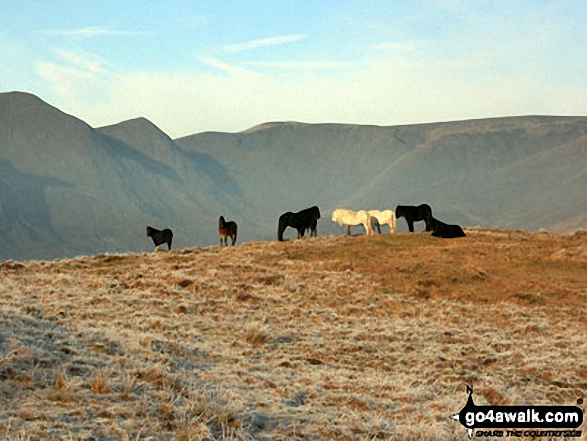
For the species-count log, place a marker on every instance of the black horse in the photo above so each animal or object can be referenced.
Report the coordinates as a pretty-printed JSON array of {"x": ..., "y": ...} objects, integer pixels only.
[
  {"x": 440, "y": 229},
  {"x": 414, "y": 214},
  {"x": 301, "y": 221},
  {"x": 160, "y": 237}
]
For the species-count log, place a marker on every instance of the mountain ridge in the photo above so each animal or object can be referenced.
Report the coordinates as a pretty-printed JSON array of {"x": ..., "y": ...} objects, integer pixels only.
[{"x": 96, "y": 189}]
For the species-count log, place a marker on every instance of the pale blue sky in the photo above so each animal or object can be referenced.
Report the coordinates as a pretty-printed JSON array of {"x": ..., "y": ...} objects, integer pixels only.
[{"x": 191, "y": 66}]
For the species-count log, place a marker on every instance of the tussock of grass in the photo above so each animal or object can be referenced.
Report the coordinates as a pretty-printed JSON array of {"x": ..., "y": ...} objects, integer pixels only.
[{"x": 344, "y": 337}]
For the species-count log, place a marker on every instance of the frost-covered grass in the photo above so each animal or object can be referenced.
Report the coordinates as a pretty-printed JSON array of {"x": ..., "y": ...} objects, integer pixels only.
[{"x": 340, "y": 337}]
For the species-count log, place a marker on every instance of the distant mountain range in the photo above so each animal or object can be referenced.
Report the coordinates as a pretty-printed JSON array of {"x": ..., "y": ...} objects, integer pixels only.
[{"x": 67, "y": 188}]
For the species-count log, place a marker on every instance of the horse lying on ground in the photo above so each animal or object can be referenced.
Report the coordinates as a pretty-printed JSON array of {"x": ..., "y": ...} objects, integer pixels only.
[
  {"x": 301, "y": 221},
  {"x": 160, "y": 237},
  {"x": 226, "y": 230},
  {"x": 440, "y": 229},
  {"x": 386, "y": 217},
  {"x": 414, "y": 214},
  {"x": 351, "y": 218}
]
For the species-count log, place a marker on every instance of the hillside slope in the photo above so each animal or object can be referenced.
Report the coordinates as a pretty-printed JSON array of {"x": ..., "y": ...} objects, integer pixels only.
[
  {"x": 305, "y": 339},
  {"x": 523, "y": 172}
]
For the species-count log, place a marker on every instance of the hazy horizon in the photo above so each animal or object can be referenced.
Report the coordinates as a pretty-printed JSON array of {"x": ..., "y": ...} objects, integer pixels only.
[{"x": 191, "y": 68}]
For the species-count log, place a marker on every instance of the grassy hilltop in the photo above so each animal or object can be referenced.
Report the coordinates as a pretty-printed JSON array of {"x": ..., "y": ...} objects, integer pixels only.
[{"x": 327, "y": 338}]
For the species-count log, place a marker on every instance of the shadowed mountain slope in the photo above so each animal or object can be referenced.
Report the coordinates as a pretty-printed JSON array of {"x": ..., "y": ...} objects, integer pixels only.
[
  {"x": 67, "y": 188},
  {"x": 523, "y": 172},
  {"x": 81, "y": 190}
]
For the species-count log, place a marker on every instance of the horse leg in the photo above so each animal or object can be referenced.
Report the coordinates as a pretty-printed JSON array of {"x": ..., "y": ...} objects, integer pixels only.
[
  {"x": 348, "y": 230},
  {"x": 233, "y": 238},
  {"x": 411, "y": 226},
  {"x": 368, "y": 228},
  {"x": 378, "y": 226}
]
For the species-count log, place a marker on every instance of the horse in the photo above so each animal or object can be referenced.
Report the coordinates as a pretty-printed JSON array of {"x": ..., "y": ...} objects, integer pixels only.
[
  {"x": 440, "y": 229},
  {"x": 351, "y": 218},
  {"x": 160, "y": 237},
  {"x": 226, "y": 230},
  {"x": 301, "y": 221},
  {"x": 413, "y": 214},
  {"x": 386, "y": 217}
]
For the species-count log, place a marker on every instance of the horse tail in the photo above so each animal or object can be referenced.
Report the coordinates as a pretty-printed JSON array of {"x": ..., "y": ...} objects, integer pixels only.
[{"x": 234, "y": 230}]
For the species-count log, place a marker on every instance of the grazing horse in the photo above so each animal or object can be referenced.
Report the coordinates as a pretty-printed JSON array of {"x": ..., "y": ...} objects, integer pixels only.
[
  {"x": 413, "y": 214},
  {"x": 301, "y": 221},
  {"x": 386, "y": 217},
  {"x": 440, "y": 229},
  {"x": 226, "y": 230},
  {"x": 351, "y": 218},
  {"x": 160, "y": 237}
]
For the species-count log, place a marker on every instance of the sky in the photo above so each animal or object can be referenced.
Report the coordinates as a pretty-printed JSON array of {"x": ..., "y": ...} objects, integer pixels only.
[{"x": 209, "y": 65}]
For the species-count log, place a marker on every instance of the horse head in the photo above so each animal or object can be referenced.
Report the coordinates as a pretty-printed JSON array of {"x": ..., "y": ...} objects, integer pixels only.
[{"x": 316, "y": 212}]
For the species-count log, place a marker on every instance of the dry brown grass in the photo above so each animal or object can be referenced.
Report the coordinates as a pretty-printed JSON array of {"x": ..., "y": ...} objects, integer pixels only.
[{"x": 328, "y": 338}]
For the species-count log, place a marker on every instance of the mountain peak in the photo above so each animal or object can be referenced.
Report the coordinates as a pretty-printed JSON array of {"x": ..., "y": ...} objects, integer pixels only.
[
  {"x": 20, "y": 97},
  {"x": 270, "y": 125},
  {"x": 24, "y": 105},
  {"x": 143, "y": 135},
  {"x": 140, "y": 126}
]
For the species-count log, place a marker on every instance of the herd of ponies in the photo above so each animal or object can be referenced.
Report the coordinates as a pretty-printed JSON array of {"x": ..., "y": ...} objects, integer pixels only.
[{"x": 308, "y": 220}]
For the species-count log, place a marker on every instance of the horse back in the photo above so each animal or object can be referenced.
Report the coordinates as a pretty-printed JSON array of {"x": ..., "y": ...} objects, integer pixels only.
[{"x": 231, "y": 228}]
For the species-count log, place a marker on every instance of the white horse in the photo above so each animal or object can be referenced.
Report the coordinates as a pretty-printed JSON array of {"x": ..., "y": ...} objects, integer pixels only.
[
  {"x": 351, "y": 218},
  {"x": 385, "y": 217}
]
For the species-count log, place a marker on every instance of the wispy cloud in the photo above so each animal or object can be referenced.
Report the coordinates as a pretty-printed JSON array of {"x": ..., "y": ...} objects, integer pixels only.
[
  {"x": 78, "y": 75},
  {"x": 262, "y": 42},
  {"x": 93, "y": 31},
  {"x": 293, "y": 64},
  {"x": 85, "y": 60},
  {"x": 228, "y": 68}
]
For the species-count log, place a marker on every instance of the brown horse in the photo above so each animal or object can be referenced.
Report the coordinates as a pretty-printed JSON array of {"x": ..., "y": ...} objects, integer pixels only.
[{"x": 226, "y": 230}]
